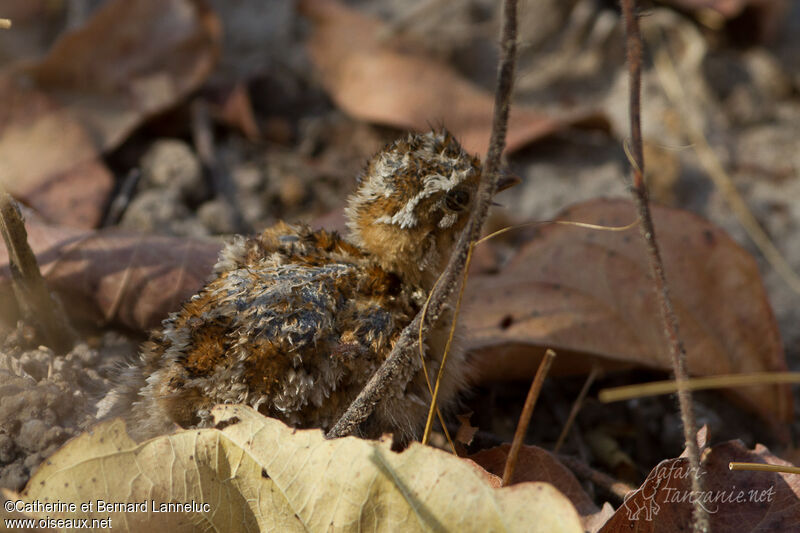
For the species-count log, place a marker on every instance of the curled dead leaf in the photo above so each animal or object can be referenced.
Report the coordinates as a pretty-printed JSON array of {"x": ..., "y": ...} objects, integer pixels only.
[
  {"x": 391, "y": 84},
  {"x": 537, "y": 464},
  {"x": 204, "y": 469},
  {"x": 115, "y": 277},
  {"x": 257, "y": 474},
  {"x": 588, "y": 295}
]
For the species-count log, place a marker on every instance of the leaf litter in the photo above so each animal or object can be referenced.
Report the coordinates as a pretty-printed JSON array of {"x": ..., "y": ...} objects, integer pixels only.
[{"x": 61, "y": 113}]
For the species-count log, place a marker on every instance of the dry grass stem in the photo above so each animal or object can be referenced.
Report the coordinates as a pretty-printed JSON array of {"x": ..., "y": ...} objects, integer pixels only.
[
  {"x": 400, "y": 366},
  {"x": 760, "y": 467},
  {"x": 633, "y": 42},
  {"x": 657, "y": 388},
  {"x": 453, "y": 322},
  {"x": 525, "y": 417}
]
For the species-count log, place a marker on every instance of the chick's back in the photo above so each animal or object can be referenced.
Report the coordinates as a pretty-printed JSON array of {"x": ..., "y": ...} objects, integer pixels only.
[{"x": 293, "y": 323}]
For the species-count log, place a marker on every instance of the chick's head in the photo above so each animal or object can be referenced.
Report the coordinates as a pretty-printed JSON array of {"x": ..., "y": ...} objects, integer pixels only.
[{"x": 413, "y": 200}]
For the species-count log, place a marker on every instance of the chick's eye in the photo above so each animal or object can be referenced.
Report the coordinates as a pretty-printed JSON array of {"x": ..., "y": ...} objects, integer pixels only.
[{"x": 457, "y": 199}]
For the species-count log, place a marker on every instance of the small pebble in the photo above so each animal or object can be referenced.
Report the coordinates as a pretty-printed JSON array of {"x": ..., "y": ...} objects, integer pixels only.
[
  {"x": 171, "y": 164},
  {"x": 154, "y": 211},
  {"x": 218, "y": 216}
]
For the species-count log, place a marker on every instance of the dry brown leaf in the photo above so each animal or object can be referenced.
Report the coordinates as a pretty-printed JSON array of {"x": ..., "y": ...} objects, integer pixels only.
[
  {"x": 49, "y": 160},
  {"x": 94, "y": 87},
  {"x": 737, "y": 501},
  {"x": 386, "y": 83},
  {"x": 115, "y": 277},
  {"x": 259, "y": 474},
  {"x": 234, "y": 108},
  {"x": 587, "y": 294},
  {"x": 466, "y": 431},
  {"x": 537, "y": 464}
]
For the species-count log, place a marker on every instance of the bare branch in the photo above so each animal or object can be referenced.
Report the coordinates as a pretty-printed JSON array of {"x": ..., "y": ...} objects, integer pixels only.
[
  {"x": 402, "y": 363},
  {"x": 670, "y": 319}
]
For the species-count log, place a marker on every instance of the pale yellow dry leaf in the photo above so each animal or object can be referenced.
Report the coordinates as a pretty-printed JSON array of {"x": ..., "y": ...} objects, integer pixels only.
[
  {"x": 258, "y": 474},
  {"x": 200, "y": 466},
  {"x": 352, "y": 484},
  {"x": 7, "y": 517}
]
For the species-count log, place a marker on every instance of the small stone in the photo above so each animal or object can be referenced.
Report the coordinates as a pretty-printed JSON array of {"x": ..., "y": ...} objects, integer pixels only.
[
  {"x": 7, "y": 449},
  {"x": 248, "y": 177},
  {"x": 14, "y": 476},
  {"x": 55, "y": 436},
  {"x": 154, "y": 211},
  {"x": 171, "y": 164},
  {"x": 31, "y": 434},
  {"x": 252, "y": 208},
  {"x": 187, "y": 227},
  {"x": 33, "y": 460},
  {"x": 37, "y": 362},
  {"x": 218, "y": 216},
  {"x": 60, "y": 365},
  {"x": 87, "y": 356}
]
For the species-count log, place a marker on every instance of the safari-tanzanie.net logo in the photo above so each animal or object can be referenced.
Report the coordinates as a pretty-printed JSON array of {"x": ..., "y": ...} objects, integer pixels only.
[{"x": 671, "y": 484}]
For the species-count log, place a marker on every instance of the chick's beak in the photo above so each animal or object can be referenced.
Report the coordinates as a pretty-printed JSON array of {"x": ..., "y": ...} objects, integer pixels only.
[{"x": 506, "y": 180}]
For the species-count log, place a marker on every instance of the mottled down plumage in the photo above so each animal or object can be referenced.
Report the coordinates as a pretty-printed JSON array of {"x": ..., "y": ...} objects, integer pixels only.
[{"x": 295, "y": 321}]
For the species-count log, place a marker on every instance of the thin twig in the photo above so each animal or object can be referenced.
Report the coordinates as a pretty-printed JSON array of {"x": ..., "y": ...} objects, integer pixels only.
[
  {"x": 224, "y": 187},
  {"x": 576, "y": 406},
  {"x": 525, "y": 417},
  {"x": 401, "y": 365},
  {"x": 123, "y": 198},
  {"x": 30, "y": 290},
  {"x": 633, "y": 43},
  {"x": 584, "y": 471}
]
